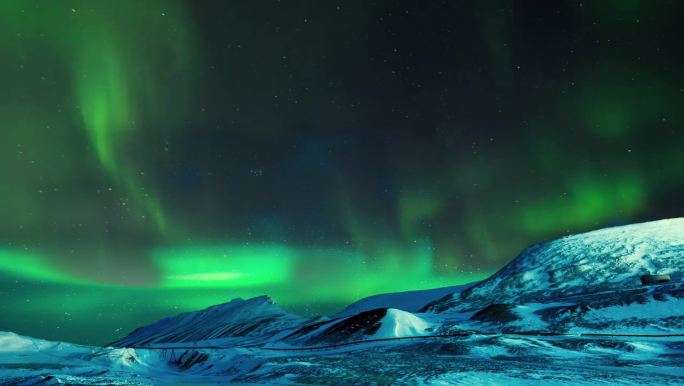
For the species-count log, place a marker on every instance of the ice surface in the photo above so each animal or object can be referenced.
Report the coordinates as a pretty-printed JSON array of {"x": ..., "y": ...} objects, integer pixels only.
[{"x": 471, "y": 360}]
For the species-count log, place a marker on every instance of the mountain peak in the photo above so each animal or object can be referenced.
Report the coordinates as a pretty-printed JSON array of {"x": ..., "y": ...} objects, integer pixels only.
[{"x": 236, "y": 318}]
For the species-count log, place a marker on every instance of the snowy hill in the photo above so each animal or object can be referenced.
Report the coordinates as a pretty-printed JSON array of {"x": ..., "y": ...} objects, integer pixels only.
[
  {"x": 604, "y": 260},
  {"x": 401, "y": 324},
  {"x": 256, "y": 317},
  {"x": 379, "y": 323},
  {"x": 10, "y": 342}
]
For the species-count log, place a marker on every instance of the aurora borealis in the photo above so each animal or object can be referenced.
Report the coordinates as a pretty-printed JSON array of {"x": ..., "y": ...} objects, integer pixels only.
[{"x": 162, "y": 156}]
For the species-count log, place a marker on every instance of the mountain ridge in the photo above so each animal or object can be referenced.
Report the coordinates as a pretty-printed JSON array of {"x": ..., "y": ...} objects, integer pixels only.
[{"x": 534, "y": 291}]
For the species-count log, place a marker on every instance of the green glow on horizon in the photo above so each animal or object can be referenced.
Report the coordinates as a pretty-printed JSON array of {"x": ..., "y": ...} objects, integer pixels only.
[
  {"x": 266, "y": 269},
  {"x": 224, "y": 266}
]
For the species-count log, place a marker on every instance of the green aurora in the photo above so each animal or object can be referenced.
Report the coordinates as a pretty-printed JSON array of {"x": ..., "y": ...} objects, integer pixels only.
[{"x": 164, "y": 156}]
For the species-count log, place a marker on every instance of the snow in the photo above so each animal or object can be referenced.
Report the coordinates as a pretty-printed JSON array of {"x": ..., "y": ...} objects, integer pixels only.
[
  {"x": 653, "y": 317},
  {"x": 401, "y": 324},
  {"x": 651, "y": 310},
  {"x": 12, "y": 342},
  {"x": 489, "y": 351},
  {"x": 601, "y": 260},
  {"x": 529, "y": 319},
  {"x": 477, "y": 378},
  {"x": 479, "y": 360}
]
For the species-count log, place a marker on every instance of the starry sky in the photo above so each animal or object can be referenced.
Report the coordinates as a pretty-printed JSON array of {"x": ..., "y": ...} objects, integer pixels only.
[{"x": 164, "y": 156}]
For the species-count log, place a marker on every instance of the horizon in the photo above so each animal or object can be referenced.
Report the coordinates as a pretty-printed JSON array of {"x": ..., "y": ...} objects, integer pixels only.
[{"x": 327, "y": 310}]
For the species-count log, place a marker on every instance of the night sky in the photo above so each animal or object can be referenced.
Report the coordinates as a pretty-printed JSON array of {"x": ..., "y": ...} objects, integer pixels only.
[{"x": 160, "y": 156}]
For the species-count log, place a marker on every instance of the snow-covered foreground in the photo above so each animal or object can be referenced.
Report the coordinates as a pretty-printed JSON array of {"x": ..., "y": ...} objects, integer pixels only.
[
  {"x": 473, "y": 360},
  {"x": 569, "y": 311}
]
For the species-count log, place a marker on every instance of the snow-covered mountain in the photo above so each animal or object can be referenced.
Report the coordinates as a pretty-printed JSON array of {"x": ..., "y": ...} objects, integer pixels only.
[
  {"x": 584, "y": 289},
  {"x": 557, "y": 286},
  {"x": 259, "y": 320},
  {"x": 609, "y": 259},
  {"x": 251, "y": 318},
  {"x": 10, "y": 342}
]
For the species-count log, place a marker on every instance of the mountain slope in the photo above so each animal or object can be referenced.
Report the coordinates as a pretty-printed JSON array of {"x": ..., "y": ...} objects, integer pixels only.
[
  {"x": 257, "y": 317},
  {"x": 608, "y": 259}
]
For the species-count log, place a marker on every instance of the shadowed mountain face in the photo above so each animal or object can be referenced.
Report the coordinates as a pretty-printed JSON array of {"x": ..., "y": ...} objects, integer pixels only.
[
  {"x": 411, "y": 301},
  {"x": 496, "y": 313},
  {"x": 358, "y": 327}
]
